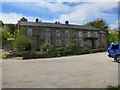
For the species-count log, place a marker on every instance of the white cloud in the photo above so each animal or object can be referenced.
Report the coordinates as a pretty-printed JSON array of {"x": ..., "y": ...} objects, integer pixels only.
[
  {"x": 55, "y": 7},
  {"x": 77, "y": 14},
  {"x": 13, "y": 17},
  {"x": 60, "y": 0},
  {"x": 114, "y": 25},
  {"x": 86, "y": 11}
]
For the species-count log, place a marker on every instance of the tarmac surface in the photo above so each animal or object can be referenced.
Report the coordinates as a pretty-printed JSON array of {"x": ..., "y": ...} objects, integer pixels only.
[{"x": 95, "y": 70}]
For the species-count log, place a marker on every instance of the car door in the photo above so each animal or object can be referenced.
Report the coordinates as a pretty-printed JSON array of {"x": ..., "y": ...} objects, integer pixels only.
[{"x": 114, "y": 49}]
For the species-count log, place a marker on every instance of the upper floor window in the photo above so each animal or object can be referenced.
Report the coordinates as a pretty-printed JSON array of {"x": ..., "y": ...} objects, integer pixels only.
[
  {"x": 67, "y": 42},
  {"x": 47, "y": 32},
  {"x": 95, "y": 34},
  {"x": 80, "y": 34},
  {"x": 29, "y": 31},
  {"x": 89, "y": 34},
  {"x": 66, "y": 33},
  {"x": 58, "y": 33},
  {"x": 58, "y": 42}
]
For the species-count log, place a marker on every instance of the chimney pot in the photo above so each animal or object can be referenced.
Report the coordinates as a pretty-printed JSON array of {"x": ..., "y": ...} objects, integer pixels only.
[
  {"x": 37, "y": 19},
  {"x": 67, "y": 22},
  {"x": 92, "y": 24}
]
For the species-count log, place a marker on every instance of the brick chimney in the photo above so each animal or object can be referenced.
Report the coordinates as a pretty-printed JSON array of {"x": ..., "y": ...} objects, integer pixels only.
[
  {"x": 37, "y": 20},
  {"x": 92, "y": 24},
  {"x": 67, "y": 22}
]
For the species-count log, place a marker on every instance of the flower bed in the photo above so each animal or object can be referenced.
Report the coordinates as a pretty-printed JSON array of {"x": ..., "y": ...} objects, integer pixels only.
[{"x": 38, "y": 55}]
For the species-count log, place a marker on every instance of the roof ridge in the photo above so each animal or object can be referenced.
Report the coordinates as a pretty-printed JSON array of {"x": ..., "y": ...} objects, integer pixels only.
[{"x": 60, "y": 25}]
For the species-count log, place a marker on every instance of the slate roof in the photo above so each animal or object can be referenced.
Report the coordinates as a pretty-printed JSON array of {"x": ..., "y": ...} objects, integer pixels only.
[
  {"x": 1, "y": 23},
  {"x": 53, "y": 25},
  {"x": 102, "y": 31}
]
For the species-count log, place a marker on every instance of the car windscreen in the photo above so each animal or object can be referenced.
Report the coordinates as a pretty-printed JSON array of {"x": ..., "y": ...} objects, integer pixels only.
[{"x": 115, "y": 46}]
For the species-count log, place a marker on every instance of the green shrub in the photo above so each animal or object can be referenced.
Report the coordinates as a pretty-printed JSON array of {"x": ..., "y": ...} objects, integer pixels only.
[
  {"x": 33, "y": 51},
  {"x": 85, "y": 50},
  {"x": 4, "y": 57},
  {"x": 59, "y": 55},
  {"x": 60, "y": 48},
  {"x": 46, "y": 47},
  {"x": 22, "y": 43},
  {"x": 72, "y": 49},
  {"x": 4, "y": 34},
  {"x": 113, "y": 87}
]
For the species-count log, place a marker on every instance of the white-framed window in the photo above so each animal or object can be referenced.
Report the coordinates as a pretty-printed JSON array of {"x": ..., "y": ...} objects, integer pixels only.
[
  {"x": 75, "y": 35},
  {"x": 49, "y": 41},
  {"x": 48, "y": 32},
  {"x": 102, "y": 35},
  {"x": 90, "y": 43},
  {"x": 81, "y": 42},
  {"x": 66, "y": 33},
  {"x": 103, "y": 42},
  {"x": 58, "y": 42},
  {"x": 80, "y": 34},
  {"x": 95, "y": 34},
  {"x": 89, "y": 34},
  {"x": 66, "y": 42},
  {"x": 75, "y": 40},
  {"x": 29, "y": 31},
  {"x": 96, "y": 42},
  {"x": 58, "y": 33}
]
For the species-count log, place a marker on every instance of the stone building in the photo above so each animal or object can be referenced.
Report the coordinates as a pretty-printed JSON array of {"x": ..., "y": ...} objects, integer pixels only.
[
  {"x": 1, "y": 25},
  {"x": 58, "y": 34}
]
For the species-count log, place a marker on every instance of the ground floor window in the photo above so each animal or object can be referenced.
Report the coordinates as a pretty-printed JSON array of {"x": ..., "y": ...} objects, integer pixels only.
[
  {"x": 49, "y": 41},
  {"x": 58, "y": 42},
  {"x": 75, "y": 40},
  {"x": 96, "y": 42},
  {"x": 81, "y": 42},
  {"x": 66, "y": 42},
  {"x": 90, "y": 43},
  {"x": 29, "y": 31}
]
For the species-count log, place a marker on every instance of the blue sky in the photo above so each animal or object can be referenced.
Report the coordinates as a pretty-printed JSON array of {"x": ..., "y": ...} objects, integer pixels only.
[{"x": 75, "y": 12}]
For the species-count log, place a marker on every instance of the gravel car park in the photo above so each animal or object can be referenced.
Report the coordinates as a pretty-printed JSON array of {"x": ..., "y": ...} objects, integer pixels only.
[{"x": 83, "y": 71}]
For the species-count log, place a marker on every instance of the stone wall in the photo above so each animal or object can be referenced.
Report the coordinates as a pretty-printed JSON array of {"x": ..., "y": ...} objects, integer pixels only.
[{"x": 39, "y": 36}]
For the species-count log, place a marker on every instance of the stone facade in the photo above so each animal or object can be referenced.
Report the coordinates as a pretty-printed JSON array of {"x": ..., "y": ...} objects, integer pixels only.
[{"x": 64, "y": 34}]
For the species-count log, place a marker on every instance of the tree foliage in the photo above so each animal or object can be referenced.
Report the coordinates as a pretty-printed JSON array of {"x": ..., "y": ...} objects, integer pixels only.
[
  {"x": 99, "y": 24},
  {"x": 21, "y": 42},
  {"x": 46, "y": 47},
  {"x": 4, "y": 34},
  {"x": 73, "y": 48},
  {"x": 113, "y": 38},
  {"x": 23, "y": 19},
  {"x": 119, "y": 35},
  {"x": 10, "y": 27},
  {"x": 22, "y": 31}
]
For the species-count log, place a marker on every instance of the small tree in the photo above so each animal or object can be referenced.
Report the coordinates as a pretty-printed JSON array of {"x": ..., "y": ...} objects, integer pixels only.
[
  {"x": 99, "y": 24},
  {"x": 4, "y": 34},
  {"x": 21, "y": 42},
  {"x": 72, "y": 48},
  {"x": 113, "y": 38},
  {"x": 46, "y": 47},
  {"x": 119, "y": 34}
]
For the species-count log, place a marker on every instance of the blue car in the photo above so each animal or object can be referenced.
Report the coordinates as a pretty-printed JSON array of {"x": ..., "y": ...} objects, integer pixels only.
[{"x": 114, "y": 51}]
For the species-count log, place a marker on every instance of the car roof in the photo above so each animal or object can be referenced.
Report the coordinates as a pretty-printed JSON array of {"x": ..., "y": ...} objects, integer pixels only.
[{"x": 115, "y": 43}]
